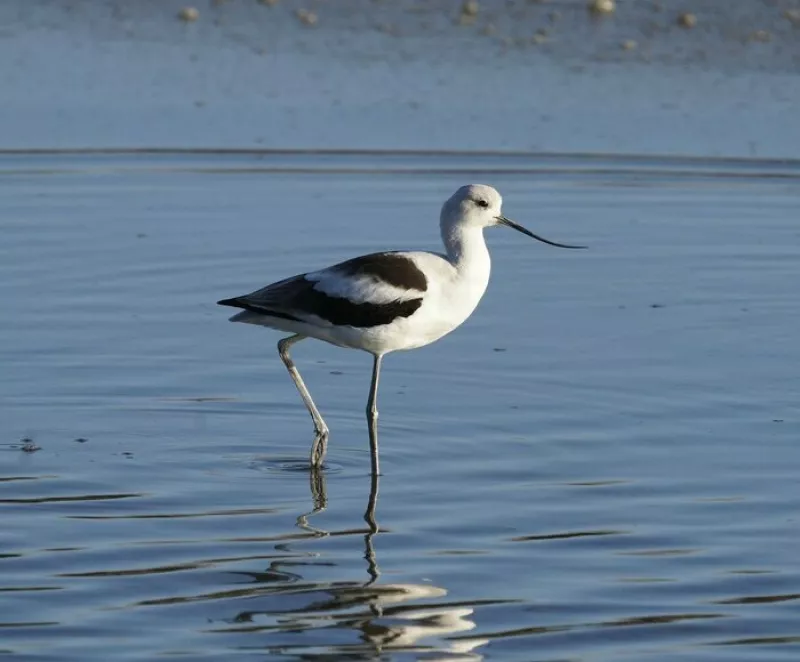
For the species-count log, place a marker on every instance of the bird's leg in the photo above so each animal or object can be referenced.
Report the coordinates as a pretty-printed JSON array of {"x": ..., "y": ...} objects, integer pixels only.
[
  {"x": 319, "y": 446},
  {"x": 372, "y": 414}
]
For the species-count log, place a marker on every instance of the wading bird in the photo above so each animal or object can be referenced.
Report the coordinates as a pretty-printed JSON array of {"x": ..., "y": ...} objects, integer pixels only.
[{"x": 384, "y": 302}]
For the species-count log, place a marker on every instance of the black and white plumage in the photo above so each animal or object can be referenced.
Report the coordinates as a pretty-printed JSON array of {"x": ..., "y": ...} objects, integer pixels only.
[
  {"x": 364, "y": 292},
  {"x": 384, "y": 302}
]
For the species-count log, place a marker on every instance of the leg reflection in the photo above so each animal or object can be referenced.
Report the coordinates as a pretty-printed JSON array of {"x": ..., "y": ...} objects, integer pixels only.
[
  {"x": 319, "y": 497},
  {"x": 369, "y": 518}
]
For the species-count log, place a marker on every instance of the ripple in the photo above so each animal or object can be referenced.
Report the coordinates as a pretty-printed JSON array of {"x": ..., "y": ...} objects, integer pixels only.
[
  {"x": 291, "y": 465},
  {"x": 213, "y": 513},
  {"x": 568, "y": 534},
  {"x": 759, "y": 599},
  {"x": 71, "y": 498}
]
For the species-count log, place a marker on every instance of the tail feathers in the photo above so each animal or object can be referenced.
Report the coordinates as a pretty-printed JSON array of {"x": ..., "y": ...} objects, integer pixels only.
[
  {"x": 235, "y": 302},
  {"x": 244, "y": 304}
]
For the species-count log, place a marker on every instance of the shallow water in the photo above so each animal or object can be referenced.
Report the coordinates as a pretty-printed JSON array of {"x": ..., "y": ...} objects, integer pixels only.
[{"x": 602, "y": 463}]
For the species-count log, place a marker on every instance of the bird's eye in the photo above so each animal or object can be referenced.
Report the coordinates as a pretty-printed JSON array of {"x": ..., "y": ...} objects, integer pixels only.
[{"x": 482, "y": 203}]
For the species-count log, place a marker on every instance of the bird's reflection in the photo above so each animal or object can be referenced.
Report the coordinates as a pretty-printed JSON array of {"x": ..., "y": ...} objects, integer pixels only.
[
  {"x": 372, "y": 530},
  {"x": 383, "y": 616}
]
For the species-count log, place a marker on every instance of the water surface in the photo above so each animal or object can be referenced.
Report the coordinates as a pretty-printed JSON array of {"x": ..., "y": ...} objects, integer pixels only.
[{"x": 602, "y": 462}]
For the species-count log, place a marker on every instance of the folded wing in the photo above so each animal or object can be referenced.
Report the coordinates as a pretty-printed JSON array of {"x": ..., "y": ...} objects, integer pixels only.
[{"x": 367, "y": 291}]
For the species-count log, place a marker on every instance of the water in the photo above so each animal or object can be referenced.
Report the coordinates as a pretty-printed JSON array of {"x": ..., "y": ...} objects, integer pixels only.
[{"x": 602, "y": 463}]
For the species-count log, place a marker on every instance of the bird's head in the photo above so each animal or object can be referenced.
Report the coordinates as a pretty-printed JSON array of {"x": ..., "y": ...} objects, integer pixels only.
[{"x": 480, "y": 206}]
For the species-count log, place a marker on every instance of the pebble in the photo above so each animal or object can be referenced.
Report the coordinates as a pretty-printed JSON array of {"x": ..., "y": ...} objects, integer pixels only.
[
  {"x": 602, "y": 6},
  {"x": 470, "y": 8},
  {"x": 189, "y": 14},
  {"x": 687, "y": 20},
  {"x": 307, "y": 17},
  {"x": 29, "y": 445},
  {"x": 793, "y": 16}
]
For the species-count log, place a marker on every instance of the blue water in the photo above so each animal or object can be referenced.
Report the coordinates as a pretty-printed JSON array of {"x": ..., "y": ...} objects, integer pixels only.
[{"x": 601, "y": 463}]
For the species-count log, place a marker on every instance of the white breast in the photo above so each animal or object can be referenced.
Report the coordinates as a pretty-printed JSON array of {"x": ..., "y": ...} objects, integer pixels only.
[{"x": 451, "y": 297}]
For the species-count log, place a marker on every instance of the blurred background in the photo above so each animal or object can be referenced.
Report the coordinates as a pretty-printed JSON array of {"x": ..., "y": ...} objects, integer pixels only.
[{"x": 688, "y": 77}]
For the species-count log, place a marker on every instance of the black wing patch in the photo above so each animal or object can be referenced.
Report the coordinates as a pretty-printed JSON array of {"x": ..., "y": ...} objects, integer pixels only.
[
  {"x": 292, "y": 298},
  {"x": 391, "y": 268}
]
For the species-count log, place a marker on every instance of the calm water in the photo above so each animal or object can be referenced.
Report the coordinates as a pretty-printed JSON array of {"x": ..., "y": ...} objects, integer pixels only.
[{"x": 603, "y": 463}]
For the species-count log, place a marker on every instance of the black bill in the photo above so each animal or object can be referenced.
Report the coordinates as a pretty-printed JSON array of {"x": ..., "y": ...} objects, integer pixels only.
[{"x": 502, "y": 220}]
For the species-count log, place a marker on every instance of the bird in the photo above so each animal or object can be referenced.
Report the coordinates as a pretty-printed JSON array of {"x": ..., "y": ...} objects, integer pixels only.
[{"x": 384, "y": 302}]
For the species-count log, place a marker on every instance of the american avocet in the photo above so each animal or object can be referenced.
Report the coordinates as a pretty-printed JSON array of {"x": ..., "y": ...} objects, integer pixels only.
[{"x": 385, "y": 302}]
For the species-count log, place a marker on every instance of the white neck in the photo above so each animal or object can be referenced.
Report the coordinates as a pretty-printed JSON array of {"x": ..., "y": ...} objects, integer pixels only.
[{"x": 467, "y": 251}]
